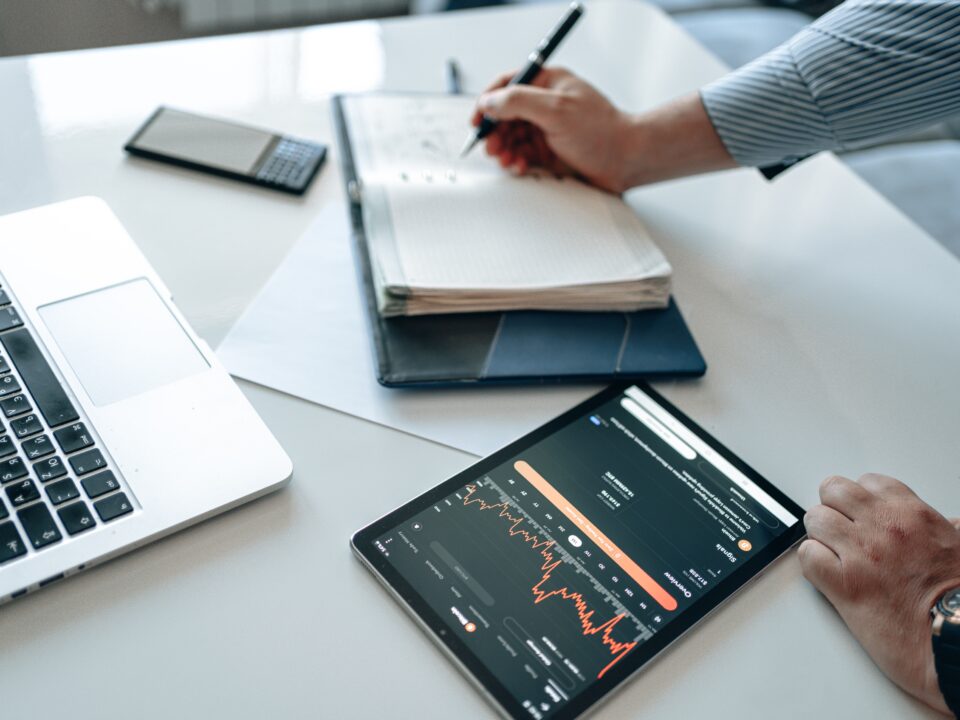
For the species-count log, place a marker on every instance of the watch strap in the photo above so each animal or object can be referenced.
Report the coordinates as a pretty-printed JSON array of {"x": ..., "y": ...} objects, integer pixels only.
[{"x": 946, "y": 659}]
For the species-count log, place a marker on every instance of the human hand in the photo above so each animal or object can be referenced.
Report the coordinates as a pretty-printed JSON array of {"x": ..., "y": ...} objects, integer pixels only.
[
  {"x": 883, "y": 557},
  {"x": 559, "y": 123}
]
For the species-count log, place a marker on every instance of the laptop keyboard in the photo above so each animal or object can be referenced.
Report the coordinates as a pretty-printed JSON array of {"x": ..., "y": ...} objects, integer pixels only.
[{"x": 55, "y": 481}]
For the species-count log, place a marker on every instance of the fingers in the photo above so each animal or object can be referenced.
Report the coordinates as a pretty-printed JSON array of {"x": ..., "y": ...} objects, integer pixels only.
[
  {"x": 820, "y": 565},
  {"x": 520, "y": 146},
  {"x": 884, "y": 486},
  {"x": 547, "y": 77},
  {"x": 521, "y": 102},
  {"x": 845, "y": 496},
  {"x": 500, "y": 81},
  {"x": 829, "y": 527}
]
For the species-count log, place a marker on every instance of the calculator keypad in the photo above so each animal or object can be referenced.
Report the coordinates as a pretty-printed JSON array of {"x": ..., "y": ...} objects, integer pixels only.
[{"x": 291, "y": 164}]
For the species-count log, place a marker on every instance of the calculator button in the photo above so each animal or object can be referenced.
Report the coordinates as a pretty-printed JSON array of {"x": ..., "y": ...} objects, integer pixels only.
[
  {"x": 99, "y": 484},
  {"x": 50, "y": 469},
  {"x": 76, "y": 517},
  {"x": 73, "y": 437},
  {"x": 38, "y": 524},
  {"x": 11, "y": 545},
  {"x": 113, "y": 506},
  {"x": 87, "y": 462}
]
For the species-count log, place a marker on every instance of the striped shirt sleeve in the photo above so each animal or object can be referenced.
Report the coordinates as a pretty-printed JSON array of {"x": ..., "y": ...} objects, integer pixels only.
[{"x": 865, "y": 70}]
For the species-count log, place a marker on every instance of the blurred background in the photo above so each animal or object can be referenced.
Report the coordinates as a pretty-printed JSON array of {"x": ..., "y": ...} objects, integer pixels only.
[{"x": 919, "y": 172}]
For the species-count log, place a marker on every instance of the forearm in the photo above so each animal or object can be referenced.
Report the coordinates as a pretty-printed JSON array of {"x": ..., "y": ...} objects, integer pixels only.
[
  {"x": 867, "y": 69},
  {"x": 674, "y": 140}
]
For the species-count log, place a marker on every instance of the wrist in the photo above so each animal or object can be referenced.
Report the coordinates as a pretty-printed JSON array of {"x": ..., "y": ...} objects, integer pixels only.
[
  {"x": 634, "y": 150},
  {"x": 671, "y": 141},
  {"x": 942, "y": 685},
  {"x": 930, "y": 693}
]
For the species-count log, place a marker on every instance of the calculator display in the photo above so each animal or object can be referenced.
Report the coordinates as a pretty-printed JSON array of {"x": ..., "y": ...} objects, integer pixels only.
[{"x": 215, "y": 143}]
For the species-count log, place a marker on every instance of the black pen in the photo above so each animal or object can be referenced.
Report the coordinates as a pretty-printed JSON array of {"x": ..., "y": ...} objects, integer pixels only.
[
  {"x": 533, "y": 67},
  {"x": 454, "y": 86}
]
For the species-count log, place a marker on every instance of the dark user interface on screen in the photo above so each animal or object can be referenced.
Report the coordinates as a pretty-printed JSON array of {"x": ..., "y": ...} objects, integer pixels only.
[{"x": 557, "y": 564}]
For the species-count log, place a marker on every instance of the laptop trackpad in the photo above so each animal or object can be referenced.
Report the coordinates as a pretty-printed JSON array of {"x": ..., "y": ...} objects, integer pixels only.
[{"x": 122, "y": 341}]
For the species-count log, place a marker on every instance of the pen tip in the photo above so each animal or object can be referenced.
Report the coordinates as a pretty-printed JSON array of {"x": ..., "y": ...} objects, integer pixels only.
[{"x": 469, "y": 145}]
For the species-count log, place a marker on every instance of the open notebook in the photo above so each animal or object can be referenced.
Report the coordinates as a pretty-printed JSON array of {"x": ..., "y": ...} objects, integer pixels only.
[
  {"x": 450, "y": 236},
  {"x": 472, "y": 349}
]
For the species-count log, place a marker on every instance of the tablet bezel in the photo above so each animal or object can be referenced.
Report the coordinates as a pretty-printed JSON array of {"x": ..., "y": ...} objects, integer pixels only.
[{"x": 439, "y": 630}]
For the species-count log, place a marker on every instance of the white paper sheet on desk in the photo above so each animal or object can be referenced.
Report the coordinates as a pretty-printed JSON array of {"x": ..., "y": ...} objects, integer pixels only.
[{"x": 306, "y": 334}]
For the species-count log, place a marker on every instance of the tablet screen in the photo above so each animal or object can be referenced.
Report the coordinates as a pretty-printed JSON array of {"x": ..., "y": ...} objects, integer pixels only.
[{"x": 558, "y": 566}]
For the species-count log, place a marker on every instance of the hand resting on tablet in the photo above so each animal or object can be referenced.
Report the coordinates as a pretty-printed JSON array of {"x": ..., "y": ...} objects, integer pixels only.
[{"x": 883, "y": 557}]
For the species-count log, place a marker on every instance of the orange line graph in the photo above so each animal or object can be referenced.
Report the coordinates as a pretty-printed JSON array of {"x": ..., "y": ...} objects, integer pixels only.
[
  {"x": 637, "y": 573},
  {"x": 550, "y": 563}
]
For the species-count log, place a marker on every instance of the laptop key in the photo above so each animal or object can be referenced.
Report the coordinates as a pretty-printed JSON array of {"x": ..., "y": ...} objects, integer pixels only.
[
  {"x": 73, "y": 437},
  {"x": 37, "y": 447},
  {"x": 9, "y": 386},
  {"x": 7, "y": 446},
  {"x": 48, "y": 394},
  {"x": 99, "y": 484},
  {"x": 113, "y": 506},
  {"x": 87, "y": 462},
  {"x": 3, "y": 511},
  {"x": 50, "y": 469},
  {"x": 22, "y": 492},
  {"x": 4, "y": 298},
  {"x": 62, "y": 490},
  {"x": 76, "y": 517},
  {"x": 16, "y": 405},
  {"x": 9, "y": 318},
  {"x": 11, "y": 545},
  {"x": 4, "y": 365},
  {"x": 39, "y": 526},
  {"x": 27, "y": 425},
  {"x": 12, "y": 469}
]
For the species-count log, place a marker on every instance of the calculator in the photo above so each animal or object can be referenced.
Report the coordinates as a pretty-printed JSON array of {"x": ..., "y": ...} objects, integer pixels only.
[{"x": 228, "y": 149}]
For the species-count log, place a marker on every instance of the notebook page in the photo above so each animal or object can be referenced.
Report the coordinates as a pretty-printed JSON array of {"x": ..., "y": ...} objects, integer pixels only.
[
  {"x": 415, "y": 136},
  {"x": 396, "y": 137},
  {"x": 505, "y": 232},
  {"x": 467, "y": 224}
]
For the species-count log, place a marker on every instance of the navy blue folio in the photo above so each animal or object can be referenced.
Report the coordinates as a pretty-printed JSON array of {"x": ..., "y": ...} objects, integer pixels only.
[{"x": 516, "y": 347}]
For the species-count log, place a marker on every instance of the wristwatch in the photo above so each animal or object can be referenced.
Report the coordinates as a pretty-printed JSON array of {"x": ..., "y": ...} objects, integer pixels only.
[{"x": 946, "y": 647}]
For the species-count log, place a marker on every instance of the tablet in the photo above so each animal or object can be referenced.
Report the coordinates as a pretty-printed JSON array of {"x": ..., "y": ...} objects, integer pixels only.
[{"x": 558, "y": 567}]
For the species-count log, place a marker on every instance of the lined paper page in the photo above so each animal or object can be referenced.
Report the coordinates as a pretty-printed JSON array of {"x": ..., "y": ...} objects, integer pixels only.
[
  {"x": 413, "y": 136},
  {"x": 468, "y": 225},
  {"x": 500, "y": 233}
]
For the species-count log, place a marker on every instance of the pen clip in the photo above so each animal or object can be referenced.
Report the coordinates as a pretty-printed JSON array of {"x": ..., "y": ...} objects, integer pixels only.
[{"x": 354, "y": 190}]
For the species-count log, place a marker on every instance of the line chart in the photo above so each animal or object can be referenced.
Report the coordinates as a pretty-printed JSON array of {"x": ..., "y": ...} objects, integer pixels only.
[{"x": 551, "y": 561}]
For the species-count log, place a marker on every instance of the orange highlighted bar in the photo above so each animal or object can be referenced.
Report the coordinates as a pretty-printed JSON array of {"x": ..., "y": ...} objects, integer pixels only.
[{"x": 650, "y": 585}]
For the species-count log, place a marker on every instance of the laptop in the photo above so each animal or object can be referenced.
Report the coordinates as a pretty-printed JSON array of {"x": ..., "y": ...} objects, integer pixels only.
[{"x": 117, "y": 423}]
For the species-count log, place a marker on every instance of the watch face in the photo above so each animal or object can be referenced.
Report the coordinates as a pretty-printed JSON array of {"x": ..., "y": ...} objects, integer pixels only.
[{"x": 950, "y": 603}]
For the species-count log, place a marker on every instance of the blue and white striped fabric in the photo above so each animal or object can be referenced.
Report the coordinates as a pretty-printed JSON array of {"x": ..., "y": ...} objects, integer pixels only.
[{"x": 865, "y": 70}]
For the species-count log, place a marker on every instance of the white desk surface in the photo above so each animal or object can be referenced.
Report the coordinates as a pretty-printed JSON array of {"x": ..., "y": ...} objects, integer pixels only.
[{"x": 830, "y": 323}]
